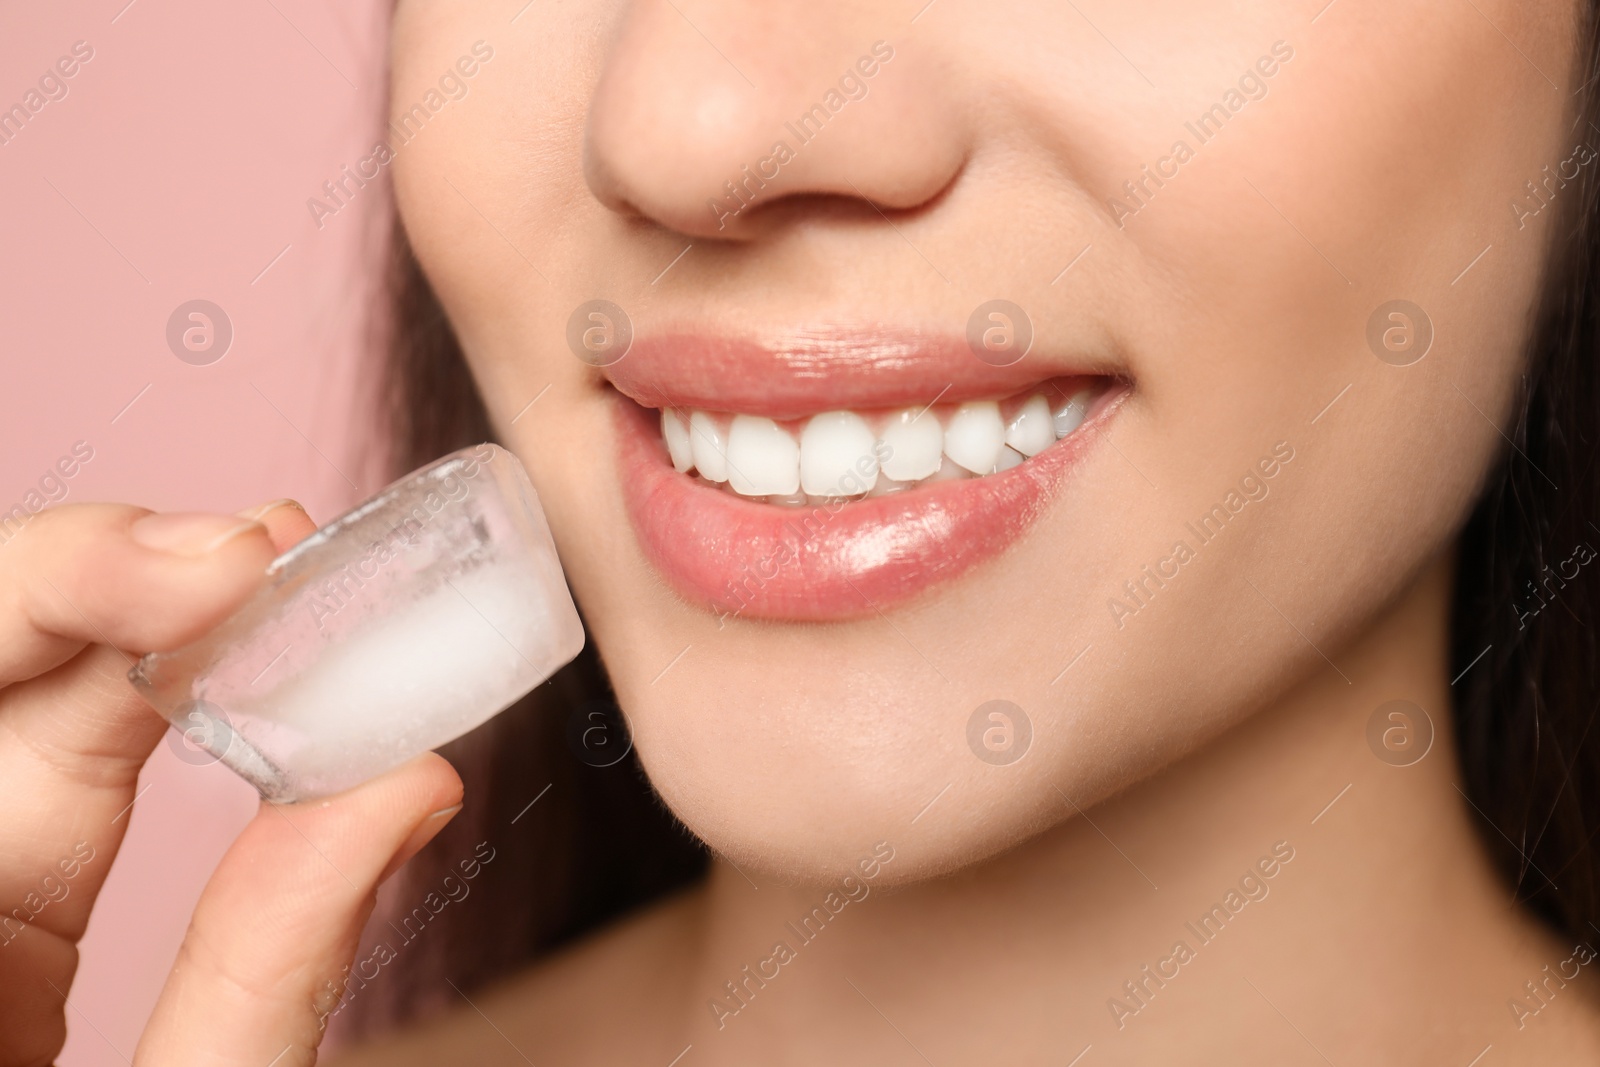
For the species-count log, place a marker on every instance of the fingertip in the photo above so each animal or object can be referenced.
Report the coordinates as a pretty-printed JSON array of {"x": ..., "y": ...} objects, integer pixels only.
[
  {"x": 305, "y": 875},
  {"x": 424, "y": 832},
  {"x": 439, "y": 775},
  {"x": 287, "y": 521},
  {"x": 421, "y": 795},
  {"x": 261, "y": 511},
  {"x": 421, "y": 787},
  {"x": 190, "y": 535},
  {"x": 161, "y": 598},
  {"x": 126, "y": 576}
]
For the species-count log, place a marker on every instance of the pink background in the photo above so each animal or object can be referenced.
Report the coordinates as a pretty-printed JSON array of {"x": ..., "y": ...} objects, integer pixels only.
[{"x": 178, "y": 167}]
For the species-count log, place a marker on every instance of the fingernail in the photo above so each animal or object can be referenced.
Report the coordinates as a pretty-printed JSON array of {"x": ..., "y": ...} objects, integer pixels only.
[
  {"x": 189, "y": 533},
  {"x": 257, "y": 514},
  {"x": 418, "y": 838}
]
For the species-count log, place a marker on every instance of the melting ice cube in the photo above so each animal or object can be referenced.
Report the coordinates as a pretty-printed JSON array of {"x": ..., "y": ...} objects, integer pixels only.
[{"x": 397, "y": 627}]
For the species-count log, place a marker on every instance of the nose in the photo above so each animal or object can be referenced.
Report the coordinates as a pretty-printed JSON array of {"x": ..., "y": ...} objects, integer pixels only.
[{"x": 704, "y": 126}]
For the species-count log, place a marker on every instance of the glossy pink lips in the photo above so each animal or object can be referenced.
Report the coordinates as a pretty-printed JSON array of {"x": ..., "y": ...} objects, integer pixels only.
[{"x": 833, "y": 560}]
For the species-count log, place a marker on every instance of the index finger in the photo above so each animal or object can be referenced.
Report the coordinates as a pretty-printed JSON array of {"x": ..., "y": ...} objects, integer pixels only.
[{"x": 121, "y": 576}]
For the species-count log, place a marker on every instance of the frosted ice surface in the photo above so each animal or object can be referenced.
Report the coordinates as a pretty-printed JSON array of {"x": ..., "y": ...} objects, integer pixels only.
[{"x": 397, "y": 627}]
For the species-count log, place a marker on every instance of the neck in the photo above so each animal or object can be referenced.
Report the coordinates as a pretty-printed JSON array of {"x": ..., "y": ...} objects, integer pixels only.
[{"x": 1259, "y": 895}]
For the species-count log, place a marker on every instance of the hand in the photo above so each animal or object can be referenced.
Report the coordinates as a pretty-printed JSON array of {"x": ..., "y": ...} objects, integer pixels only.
[{"x": 85, "y": 589}]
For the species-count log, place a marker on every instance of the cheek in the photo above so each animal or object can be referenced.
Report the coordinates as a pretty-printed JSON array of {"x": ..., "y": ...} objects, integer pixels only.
[
  {"x": 493, "y": 194},
  {"x": 1289, "y": 231},
  {"x": 1274, "y": 251},
  {"x": 1346, "y": 187},
  {"x": 496, "y": 208}
]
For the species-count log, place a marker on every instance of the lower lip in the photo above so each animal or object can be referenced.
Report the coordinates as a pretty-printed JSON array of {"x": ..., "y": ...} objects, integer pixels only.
[{"x": 828, "y": 561}]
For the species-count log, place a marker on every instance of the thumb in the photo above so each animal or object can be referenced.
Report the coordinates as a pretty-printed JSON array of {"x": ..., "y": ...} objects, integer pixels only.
[{"x": 281, "y": 916}]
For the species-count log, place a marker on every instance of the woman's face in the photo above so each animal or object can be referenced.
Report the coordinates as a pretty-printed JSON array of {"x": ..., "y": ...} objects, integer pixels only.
[{"x": 1203, "y": 214}]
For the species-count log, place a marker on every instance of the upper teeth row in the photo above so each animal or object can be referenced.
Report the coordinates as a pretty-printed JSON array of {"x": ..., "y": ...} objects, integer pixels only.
[{"x": 840, "y": 453}]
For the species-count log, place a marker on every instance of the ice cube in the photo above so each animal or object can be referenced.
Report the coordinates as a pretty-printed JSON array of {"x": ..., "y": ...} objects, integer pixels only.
[{"x": 401, "y": 625}]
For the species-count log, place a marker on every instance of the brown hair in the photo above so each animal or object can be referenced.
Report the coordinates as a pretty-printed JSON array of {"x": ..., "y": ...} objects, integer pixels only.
[
  {"x": 597, "y": 843},
  {"x": 1526, "y": 695},
  {"x": 1523, "y": 629}
]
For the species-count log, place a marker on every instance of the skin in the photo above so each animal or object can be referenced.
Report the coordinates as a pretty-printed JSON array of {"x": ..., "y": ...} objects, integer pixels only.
[
  {"x": 1226, "y": 713},
  {"x": 1227, "y": 716},
  {"x": 85, "y": 588},
  {"x": 581, "y": 161}
]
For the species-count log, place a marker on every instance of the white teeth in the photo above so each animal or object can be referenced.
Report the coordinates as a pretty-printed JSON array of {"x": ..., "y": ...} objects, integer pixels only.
[
  {"x": 975, "y": 435},
  {"x": 949, "y": 471},
  {"x": 886, "y": 486},
  {"x": 710, "y": 447},
  {"x": 763, "y": 459},
  {"x": 1031, "y": 430},
  {"x": 1009, "y": 457},
  {"x": 916, "y": 445},
  {"x": 1069, "y": 415},
  {"x": 843, "y": 454},
  {"x": 676, "y": 433},
  {"x": 836, "y": 456}
]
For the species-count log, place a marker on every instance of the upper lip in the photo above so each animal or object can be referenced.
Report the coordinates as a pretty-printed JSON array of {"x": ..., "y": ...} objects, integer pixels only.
[{"x": 805, "y": 372}]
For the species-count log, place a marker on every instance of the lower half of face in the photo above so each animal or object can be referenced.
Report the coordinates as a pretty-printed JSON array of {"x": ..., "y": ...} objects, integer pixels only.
[{"x": 968, "y": 401}]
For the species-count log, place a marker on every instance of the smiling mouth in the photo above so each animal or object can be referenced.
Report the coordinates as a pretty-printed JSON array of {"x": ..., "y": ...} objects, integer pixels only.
[
  {"x": 852, "y": 454},
  {"x": 805, "y": 485}
]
